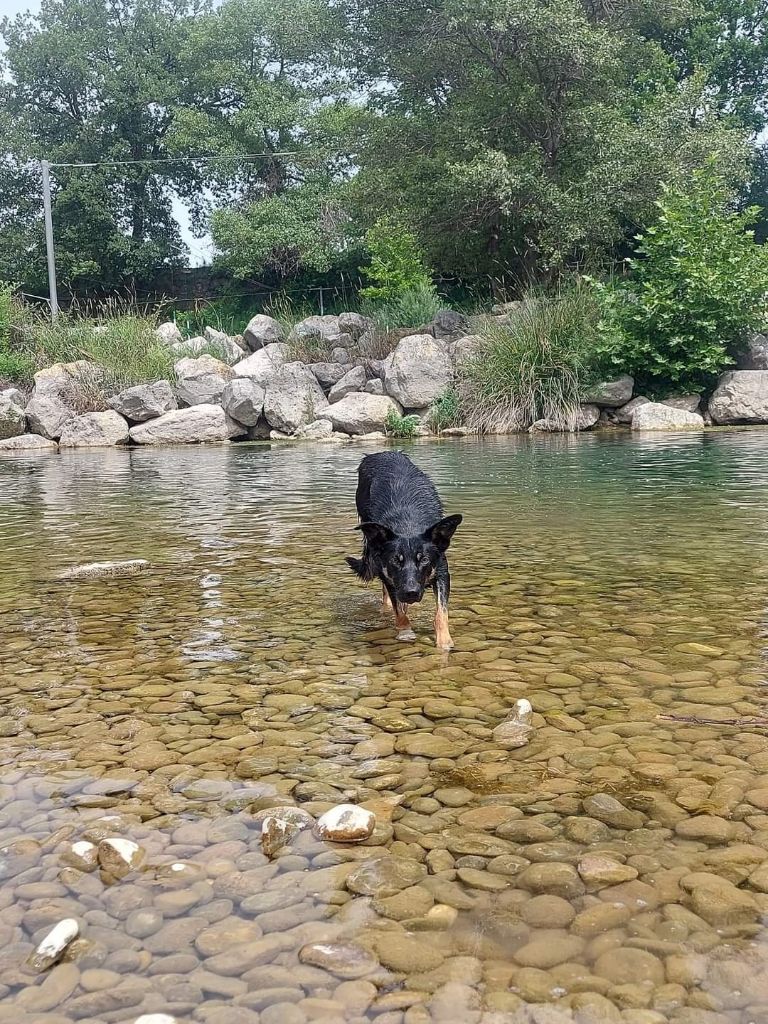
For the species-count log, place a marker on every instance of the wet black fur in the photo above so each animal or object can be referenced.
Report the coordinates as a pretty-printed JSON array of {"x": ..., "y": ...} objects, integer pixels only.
[{"x": 406, "y": 533}]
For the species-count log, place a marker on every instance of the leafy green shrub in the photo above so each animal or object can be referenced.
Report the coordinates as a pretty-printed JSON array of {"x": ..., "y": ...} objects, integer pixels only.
[
  {"x": 401, "y": 426},
  {"x": 536, "y": 366},
  {"x": 16, "y": 363},
  {"x": 397, "y": 262},
  {"x": 697, "y": 286},
  {"x": 445, "y": 411}
]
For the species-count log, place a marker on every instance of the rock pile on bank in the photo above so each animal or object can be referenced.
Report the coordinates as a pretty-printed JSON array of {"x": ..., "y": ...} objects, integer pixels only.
[{"x": 256, "y": 388}]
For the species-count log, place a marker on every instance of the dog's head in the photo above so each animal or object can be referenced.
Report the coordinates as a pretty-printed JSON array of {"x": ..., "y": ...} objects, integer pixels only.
[{"x": 408, "y": 564}]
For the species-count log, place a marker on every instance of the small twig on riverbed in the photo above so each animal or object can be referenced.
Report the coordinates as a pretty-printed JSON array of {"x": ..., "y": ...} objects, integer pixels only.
[{"x": 754, "y": 722}]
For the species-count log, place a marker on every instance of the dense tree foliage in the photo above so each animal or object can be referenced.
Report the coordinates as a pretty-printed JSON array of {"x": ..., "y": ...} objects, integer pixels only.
[{"x": 513, "y": 137}]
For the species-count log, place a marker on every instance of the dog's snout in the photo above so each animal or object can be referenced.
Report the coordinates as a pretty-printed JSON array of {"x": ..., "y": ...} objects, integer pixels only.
[{"x": 411, "y": 596}]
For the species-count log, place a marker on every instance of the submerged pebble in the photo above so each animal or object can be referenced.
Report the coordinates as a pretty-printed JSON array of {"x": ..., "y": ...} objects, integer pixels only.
[{"x": 54, "y": 945}]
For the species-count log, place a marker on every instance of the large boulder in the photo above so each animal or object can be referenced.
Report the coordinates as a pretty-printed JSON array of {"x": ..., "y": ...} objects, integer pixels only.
[
  {"x": 379, "y": 367},
  {"x": 361, "y": 413},
  {"x": 419, "y": 373},
  {"x": 196, "y": 425},
  {"x": 16, "y": 396},
  {"x": 467, "y": 348},
  {"x": 320, "y": 328},
  {"x": 448, "y": 324},
  {"x": 47, "y": 413},
  {"x": 261, "y": 331},
  {"x": 64, "y": 378},
  {"x": 753, "y": 355},
  {"x": 27, "y": 443},
  {"x": 144, "y": 401},
  {"x": 354, "y": 380},
  {"x": 319, "y": 430},
  {"x": 610, "y": 394},
  {"x": 201, "y": 381},
  {"x": 585, "y": 417},
  {"x": 95, "y": 430},
  {"x": 690, "y": 402},
  {"x": 355, "y": 325},
  {"x": 243, "y": 400},
  {"x": 328, "y": 374},
  {"x": 170, "y": 334},
  {"x": 657, "y": 416},
  {"x": 741, "y": 396},
  {"x": 626, "y": 412},
  {"x": 293, "y": 398},
  {"x": 230, "y": 351},
  {"x": 263, "y": 365},
  {"x": 12, "y": 418}
]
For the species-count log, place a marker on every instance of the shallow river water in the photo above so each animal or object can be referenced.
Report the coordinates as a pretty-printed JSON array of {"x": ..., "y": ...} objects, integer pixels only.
[{"x": 614, "y": 869}]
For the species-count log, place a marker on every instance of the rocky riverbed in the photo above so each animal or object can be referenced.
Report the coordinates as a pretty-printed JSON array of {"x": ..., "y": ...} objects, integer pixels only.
[{"x": 612, "y": 869}]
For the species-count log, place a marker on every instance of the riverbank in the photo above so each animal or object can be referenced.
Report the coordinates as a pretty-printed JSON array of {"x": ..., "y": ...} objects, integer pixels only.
[{"x": 322, "y": 382}]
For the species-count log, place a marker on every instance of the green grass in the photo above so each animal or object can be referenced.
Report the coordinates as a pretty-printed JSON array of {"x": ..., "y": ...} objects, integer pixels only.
[
  {"x": 413, "y": 307},
  {"x": 401, "y": 426},
  {"x": 446, "y": 411},
  {"x": 535, "y": 367}
]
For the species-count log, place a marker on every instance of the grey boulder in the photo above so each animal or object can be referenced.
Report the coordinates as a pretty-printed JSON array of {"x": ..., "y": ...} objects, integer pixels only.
[
  {"x": 657, "y": 416},
  {"x": 741, "y": 396},
  {"x": 420, "y": 371},
  {"x": 753, "y": 355},
  {"x": 144, "y": 401},
  {"x": 47, "y": 413},
  {"x": 28, "y": 443},
  {"x": 293, "y": 398},
  {"x": 169, "y": 334},
  {"x": 16, "y": 396},
  {"x": 354, "y": 324},
  {"x": 690, "y": 403},
  {"x": 95, "y": 430},
  {"x": 626, "y": 412},
  {"x": 374, "y": 387},
  {"x": 318, "y": 430},
  {"x": 12, "y": 418},
  {"x": 199, "y": 424},
  {"x": 361, "y": 413},
  {"x": 328, "y": 374},
  {"x": 611, "y": 394},
  {"x": 354, "y": 380},
  {"x": 448, "y": 324},
  {"x": 263, "y": 365},
  {"x": 261, "y": 331},
  {"x": 584, "y": 418},
  {"x": 201, "y": 381},
  {"x": 243, "y": 400},
  {"x": 222, "y": 342}
]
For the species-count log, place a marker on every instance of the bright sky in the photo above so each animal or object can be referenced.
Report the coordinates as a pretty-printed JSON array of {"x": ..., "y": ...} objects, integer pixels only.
[{"x": 200, "y": 248}]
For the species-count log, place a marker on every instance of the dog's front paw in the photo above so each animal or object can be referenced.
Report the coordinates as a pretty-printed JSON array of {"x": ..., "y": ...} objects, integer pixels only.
[
  {"x": 444, "y": 643},
  {"x": 406, "y": 634}
]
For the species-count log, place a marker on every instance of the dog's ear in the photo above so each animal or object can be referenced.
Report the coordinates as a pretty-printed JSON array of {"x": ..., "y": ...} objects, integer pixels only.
[
  {"x": 376, "y": 534},
  {"x": 441, "y": 533}
]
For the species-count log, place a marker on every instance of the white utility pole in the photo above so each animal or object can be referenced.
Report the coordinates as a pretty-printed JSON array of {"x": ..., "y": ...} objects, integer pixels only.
[{"x": 52, "y": 293}]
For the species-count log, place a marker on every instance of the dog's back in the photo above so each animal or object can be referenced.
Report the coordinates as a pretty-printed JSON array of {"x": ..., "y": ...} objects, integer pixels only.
[{"x": 394, "y": 492}]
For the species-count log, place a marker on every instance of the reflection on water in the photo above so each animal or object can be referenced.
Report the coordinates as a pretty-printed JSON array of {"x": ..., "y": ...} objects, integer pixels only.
[{"x": 615, "y": 869}]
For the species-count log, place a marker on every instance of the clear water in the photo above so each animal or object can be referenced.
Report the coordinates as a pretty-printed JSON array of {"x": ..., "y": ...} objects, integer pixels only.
[{"x": 247, "y": 668}]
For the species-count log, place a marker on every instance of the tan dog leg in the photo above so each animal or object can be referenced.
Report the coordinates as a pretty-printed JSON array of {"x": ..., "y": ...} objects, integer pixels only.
[{"x": 443, "y": 637}]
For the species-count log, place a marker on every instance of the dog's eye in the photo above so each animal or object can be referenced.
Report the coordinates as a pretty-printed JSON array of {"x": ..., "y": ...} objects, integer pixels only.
[
  {"x": 418, "y": 557},
  {"x": 400, "y": 560}
]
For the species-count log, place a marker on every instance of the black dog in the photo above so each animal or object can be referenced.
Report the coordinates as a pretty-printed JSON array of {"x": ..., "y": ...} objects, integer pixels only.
[{"x": 406, "y": 537}]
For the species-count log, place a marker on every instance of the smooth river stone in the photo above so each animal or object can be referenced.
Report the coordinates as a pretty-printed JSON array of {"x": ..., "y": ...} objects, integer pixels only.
[
  {"x": 385, "y": 876},
  {"x": 345, "y": 823},
  {"x": 343, "y": 959}
]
